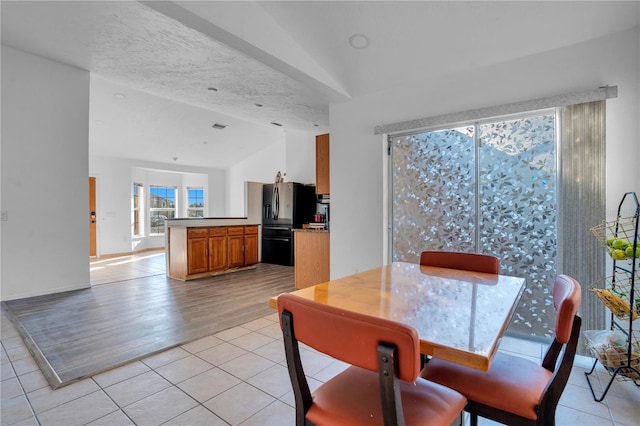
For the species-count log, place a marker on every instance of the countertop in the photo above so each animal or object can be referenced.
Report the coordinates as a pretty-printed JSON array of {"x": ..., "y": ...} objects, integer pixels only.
[
  {"x": 208, "y": 221},
  {"x": 310, "y": 230},
  {"x": 207, "y": 218}
]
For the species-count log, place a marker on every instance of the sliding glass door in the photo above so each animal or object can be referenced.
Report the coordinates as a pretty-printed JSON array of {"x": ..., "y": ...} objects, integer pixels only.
[{"x": 487, "y": 188}]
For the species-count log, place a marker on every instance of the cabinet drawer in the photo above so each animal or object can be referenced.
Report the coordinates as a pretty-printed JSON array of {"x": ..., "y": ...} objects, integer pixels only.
[
  {"x": 197, "y": 232},
  {"x": 252, "y": 229},
  {"x": 235, "y": 230},
  {"x": 219, "y": 231}
]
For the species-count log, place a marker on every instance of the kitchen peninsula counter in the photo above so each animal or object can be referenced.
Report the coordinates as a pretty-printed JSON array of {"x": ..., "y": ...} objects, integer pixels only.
[
  {"x": 208, "y": 221},
  {"x": 202, "y": 247}
]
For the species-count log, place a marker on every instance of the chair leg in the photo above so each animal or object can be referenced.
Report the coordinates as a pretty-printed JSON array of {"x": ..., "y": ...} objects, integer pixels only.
[{"x": 473, "y": 419}]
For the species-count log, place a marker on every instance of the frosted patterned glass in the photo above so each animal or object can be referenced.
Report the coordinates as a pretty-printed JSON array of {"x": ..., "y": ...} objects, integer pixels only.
[
  {"x": 433, "y": 193},
  {"x": 434, "y": 204},
  {"x": 518, "y": 211}
]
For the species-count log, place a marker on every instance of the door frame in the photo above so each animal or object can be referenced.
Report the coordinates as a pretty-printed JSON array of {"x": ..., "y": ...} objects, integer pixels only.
[{"x": 93, "y": 219}]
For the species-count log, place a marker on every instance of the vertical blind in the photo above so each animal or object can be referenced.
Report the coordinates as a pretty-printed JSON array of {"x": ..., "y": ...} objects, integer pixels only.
[{"x": 582, "y": 189}]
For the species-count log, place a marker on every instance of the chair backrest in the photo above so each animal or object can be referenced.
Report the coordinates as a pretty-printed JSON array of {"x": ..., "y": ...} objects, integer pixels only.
[
  {"x": 567, "y": 295},
  {"x": 457, "y": 260},
  {"x": 350, "y": 336}
]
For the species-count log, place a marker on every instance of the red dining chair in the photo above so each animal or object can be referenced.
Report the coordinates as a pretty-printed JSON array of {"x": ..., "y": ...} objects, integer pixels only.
[
  {"x": 381, "y": 387},
  {"x": 516, "y": 391},
  {"x": 457, "y": 260}
]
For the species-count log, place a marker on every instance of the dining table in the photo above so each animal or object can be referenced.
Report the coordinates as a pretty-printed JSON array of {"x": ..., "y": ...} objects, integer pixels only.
[{"x": 460, "y": 316}]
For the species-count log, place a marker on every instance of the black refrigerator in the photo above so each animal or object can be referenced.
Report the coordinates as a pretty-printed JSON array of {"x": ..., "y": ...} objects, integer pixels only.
[{"x": 285, "y": 206}]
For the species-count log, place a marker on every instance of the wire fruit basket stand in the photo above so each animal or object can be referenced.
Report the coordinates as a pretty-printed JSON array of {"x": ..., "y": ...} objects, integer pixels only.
[{"x": 618, "y": 349}]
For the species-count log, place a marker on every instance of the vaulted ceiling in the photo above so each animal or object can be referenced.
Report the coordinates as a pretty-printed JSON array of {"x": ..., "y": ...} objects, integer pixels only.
[{"x": 163, "y": 73}]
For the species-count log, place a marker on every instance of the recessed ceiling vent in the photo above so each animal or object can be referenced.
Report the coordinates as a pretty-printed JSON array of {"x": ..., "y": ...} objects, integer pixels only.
[{"x": 219, "y": 126}]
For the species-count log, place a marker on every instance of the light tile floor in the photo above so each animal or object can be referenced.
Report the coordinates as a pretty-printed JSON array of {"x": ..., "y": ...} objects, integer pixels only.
[{"x": 237, "y": 376}]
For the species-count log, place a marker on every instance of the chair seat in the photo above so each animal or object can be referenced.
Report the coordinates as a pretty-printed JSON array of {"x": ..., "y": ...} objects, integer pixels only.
[
  {"x": 342, "y": 401},
  {"x": 512, "y": 384}
]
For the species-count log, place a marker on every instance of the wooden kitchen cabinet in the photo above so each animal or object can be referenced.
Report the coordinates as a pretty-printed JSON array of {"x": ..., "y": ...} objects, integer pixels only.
[
  {"x": 236, "y": 246},
  {"x": 203, "y": 251},
  {"x": 312, "y": 258},
  {"x": 243, "y": 246},
  {"x": 322, "y": 164},
  {"x": 250, "y": 245},
  {"x": 218, "y": 248},
  {"x": 197, "y": 250}
]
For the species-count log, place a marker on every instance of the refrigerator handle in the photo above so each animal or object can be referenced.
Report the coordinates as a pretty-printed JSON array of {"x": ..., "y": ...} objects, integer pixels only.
[{"x": 276, "y": 202}]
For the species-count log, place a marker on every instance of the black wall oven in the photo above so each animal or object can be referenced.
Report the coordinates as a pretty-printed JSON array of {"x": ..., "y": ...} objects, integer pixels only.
[{"x": 277, "y": 244}]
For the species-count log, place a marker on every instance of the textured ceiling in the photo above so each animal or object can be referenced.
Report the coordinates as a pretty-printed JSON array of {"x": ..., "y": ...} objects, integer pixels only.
[
  {"x": 132, "y": 44},
  {"x": 165, "y": 70},
  {"x": 292, "y": 57}
]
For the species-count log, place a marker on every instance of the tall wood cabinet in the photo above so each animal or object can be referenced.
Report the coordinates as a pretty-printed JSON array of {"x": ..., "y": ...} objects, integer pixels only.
[
  {"x": 322, "y": 164},
  {"x": 312, "y": 258}
]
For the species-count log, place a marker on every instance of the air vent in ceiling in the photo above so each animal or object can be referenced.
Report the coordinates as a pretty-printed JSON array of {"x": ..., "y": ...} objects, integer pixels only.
[
  {"x": 276, "y": 124},
  {"x": 219, "y": 126}
]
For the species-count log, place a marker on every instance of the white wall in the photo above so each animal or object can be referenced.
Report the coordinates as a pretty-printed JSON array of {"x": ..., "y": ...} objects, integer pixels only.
[
  {"x": 294, "y": 155},
  {"x": 114, "y": 177},
  {"x": 45, "y": 115},
  {"x": 262, "y": 166},
  {"x": 358, "y": 203},
  {"x": 301, "y": 157}
]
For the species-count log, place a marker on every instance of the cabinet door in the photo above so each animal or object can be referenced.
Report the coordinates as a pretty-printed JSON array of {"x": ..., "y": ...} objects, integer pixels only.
[
  {"x": 236, "y": 246},
  {"x": 251, "y": 249},
  {"x": 322, "y": 164},
  {"x": 218, "y": 248},
  {"x": 197, "y": 255}
]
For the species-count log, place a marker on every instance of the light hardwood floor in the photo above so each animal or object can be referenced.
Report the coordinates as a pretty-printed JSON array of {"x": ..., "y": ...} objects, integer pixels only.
[{"x": 77, "y": 334}]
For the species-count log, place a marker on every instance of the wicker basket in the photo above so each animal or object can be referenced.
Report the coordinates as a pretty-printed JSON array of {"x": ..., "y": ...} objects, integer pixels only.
[
  {"x": 623, "y": 228},
  {"x": 613, "y": 357},
  {"x": 616, "y": 295}
]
